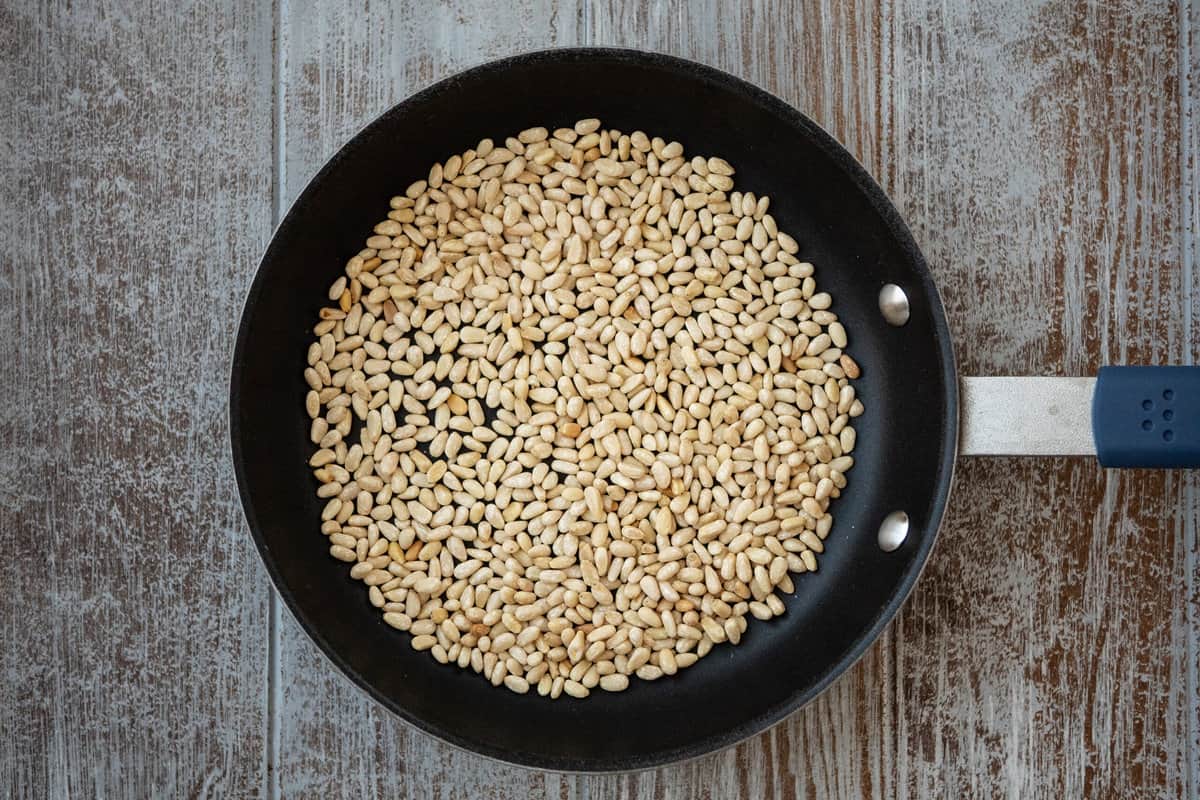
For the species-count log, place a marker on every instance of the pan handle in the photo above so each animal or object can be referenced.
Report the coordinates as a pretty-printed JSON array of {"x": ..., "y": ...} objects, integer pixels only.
[
  {"x": 1126, "y": 416},
  {"x": 1147, "y": 416}
]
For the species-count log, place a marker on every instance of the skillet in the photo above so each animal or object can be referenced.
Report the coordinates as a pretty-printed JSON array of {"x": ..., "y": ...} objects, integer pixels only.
[{"x": 886, "y": 519}]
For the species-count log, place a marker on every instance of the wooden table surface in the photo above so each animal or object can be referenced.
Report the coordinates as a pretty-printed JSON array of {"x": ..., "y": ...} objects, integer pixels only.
[{"x": 1045, "y": 155}]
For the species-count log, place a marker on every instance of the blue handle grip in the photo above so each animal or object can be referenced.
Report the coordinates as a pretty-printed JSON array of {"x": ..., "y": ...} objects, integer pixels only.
[{"x": 1147, "y": 416}]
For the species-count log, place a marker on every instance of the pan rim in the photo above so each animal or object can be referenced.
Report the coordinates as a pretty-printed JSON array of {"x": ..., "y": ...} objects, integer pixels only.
[{"x": 940, "y": 496}]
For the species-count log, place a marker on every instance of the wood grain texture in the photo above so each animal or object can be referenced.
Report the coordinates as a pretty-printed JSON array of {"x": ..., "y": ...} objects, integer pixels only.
[
  {"x": 136, "y": 200},
  {"x": 1050, "y": 648},
  {"x": 1189, "y": 164},
  {"x": 1046, "y": 647},
  {"x": 1045, "y": 155}
]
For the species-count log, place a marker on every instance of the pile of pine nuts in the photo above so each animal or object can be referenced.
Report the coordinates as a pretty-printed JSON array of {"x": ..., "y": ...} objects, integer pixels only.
[{"x": 578, "y": 410}]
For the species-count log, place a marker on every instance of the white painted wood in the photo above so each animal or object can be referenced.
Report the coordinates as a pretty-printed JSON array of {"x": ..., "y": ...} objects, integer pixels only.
[
  {"x": 1044, "y": 155},
  {"x": 1035, "y": 160},
  {"x": 1186, "y": 619},
  {"x": 136, "y": 170}
]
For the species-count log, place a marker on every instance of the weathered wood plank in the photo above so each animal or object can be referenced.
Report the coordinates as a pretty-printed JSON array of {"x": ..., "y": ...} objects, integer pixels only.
[
  {"x": 1037, "y": 164},
  {"x": 1188, "y": 676},
  {"x": 136, "y": 174},
  {"x": 342, "y": 67},
  {"x": 1045, "y": 156}
]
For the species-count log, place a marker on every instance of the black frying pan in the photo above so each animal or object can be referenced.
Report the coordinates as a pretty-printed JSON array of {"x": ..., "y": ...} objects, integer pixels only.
[{"x": 845, "y": 226}]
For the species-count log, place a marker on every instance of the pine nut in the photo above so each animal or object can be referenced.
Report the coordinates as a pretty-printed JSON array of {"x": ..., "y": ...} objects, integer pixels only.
[{"x": 560, "y": 474}]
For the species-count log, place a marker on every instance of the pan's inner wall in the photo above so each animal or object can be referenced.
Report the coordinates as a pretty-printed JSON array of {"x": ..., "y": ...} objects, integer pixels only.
[{"x": 905, "y": 441}]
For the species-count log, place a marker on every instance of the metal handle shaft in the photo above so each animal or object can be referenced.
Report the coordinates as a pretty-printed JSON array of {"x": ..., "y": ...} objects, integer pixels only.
[{"x": 1026, "y": 417}]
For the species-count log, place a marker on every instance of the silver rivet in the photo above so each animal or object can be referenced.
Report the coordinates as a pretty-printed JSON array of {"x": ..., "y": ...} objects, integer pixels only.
[
  {"x": 893, "y": 304},
  {"x": 892, "y": 531}
]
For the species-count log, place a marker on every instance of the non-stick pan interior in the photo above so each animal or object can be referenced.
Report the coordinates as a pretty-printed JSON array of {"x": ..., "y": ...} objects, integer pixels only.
[{"x": 844, "y": 225}]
